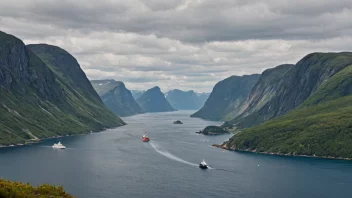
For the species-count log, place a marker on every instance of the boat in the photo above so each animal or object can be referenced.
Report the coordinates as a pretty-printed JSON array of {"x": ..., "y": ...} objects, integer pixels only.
[
  {"x": 145, "y": 138},
  {"x": 59, "y": 146},
  {"x": 203, "y": 165}
]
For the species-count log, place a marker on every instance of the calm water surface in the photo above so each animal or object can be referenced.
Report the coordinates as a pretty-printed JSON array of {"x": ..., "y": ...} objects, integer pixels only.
[{"x": 116, "y": 163}]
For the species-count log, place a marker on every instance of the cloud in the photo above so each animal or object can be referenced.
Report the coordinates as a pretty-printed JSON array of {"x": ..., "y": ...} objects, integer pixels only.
[{"x": 187, "y": 44}]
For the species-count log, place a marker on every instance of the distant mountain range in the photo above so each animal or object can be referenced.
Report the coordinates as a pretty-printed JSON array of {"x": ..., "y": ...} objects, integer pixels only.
[
  {"x": 137, "y": 93},
  {"x": 185, "y": 100},
  {"x": 153, "y": 100},
  {"x": 117, "y": 97},
  {"x": 44, "y": 93},
  {"x": 301, "y": 109}
]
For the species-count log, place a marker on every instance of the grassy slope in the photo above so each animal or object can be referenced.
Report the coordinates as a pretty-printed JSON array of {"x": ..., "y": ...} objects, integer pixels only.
[
  {"x": 18, "y": 189},
  {"x": 321, "y": 126}
]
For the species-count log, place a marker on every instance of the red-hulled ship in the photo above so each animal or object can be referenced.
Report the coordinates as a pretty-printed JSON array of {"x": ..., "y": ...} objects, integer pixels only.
[{"x": 145, "y": 138}]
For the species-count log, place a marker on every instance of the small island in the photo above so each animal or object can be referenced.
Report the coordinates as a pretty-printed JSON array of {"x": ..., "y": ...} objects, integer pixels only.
[
  {"x": 213, "y": 130},
  {"x": 178, "y": 122}
]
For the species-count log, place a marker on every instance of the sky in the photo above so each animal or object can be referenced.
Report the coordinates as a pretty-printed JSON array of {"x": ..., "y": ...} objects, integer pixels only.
[{"x": 184, "y": 44}]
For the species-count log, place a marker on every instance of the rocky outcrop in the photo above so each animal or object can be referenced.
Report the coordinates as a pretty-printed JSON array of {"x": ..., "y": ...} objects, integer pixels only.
[{"x": 213, "y": 130}]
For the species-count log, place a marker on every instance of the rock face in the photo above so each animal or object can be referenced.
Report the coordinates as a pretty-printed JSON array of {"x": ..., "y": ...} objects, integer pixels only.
[
  {"x": 262, "y": 92},
  {"x": 153, "y": 100},
  {"x": 183, "y": 100},
  {"x": 226, "y": 96},
  {"x": 40, "y": 96},
  {"x": 296, "y": 85},
  {"x": 312, "y": 111},
  {"x": 117, "y": 97}
]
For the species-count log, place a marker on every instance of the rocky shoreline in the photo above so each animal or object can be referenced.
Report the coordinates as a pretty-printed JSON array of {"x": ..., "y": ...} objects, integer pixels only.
[{"x": 223, "y": 146}]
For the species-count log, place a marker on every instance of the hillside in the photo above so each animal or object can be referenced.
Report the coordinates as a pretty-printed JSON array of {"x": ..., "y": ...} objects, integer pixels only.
[
  {"x": 153, "y": 100},
  {"x": 18, "y": 189},
  {"x": 39, "y": 100},
  {"x": 299, "y": 83},
  {"x": 320, "y": 126},
  {"x": 117, "y": 97},
  {"x": 183, "y": 100},
  {"x": 262, "y": 92},
  {"x": 226, "y": 96}
]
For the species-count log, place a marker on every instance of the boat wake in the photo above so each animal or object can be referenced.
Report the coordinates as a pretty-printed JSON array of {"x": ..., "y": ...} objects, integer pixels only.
[{"x": 158, "y": 149}]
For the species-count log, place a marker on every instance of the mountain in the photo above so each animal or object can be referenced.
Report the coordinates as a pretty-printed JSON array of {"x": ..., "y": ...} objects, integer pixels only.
[
  {"x": 226, "y": 96},
  {"x": 296, "y": 85},
  {"x": 203, "y": 97},
  {"x": 117, "y": 97},
  {"x": 320, "y": 123},
  {"x": 183, "y": 100},
  {"x": 153, "y": 100},
  {"x": 137, "y": 93},
  {"x": 262, "y": 92},
  {"x": 45, "y": 96}
]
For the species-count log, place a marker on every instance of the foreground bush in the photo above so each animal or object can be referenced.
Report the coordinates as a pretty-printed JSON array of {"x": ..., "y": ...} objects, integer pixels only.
[{"x": 11, "y": 189}]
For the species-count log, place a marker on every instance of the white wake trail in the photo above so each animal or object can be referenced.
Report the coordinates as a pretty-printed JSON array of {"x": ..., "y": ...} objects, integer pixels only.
[{"x": 169, "y": 155}]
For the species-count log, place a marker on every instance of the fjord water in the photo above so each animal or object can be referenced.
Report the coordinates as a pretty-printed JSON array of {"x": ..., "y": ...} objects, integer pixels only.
[{"x": 116, "y": 163}]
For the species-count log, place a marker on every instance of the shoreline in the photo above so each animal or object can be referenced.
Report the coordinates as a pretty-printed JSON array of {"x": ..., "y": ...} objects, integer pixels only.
[
  {"x": 280, "y": 154},
  {"x": 36, "y": 141}
]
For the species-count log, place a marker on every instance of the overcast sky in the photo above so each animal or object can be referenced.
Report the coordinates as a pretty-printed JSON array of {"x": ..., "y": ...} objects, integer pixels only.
[{"x": 185, "y": 44}]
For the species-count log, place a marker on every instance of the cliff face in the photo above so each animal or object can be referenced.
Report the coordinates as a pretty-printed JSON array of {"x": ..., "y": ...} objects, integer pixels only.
[
  {"x": 263, "y": 91},
  {"x": 297, "y": 85},
  {"x": 36, "y": 101},
  {"x": 226, "y": 96},
  {"x": 153, "y": 100},
  {"x": 320, "y": 123},
  {"x": 183, "y": 100},
  {"x": 117, "y": 97}
]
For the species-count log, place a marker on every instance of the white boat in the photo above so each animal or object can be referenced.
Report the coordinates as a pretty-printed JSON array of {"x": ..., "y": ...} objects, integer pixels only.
[
  {"x": 203, "y": 165},
  {"x": 59, "y": 146}
]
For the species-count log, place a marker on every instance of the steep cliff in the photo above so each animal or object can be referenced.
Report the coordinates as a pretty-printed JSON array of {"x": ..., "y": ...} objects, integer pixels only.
[
  {"x": 117, "y": 97},
  {"x": 300, "y": 82},
  {"x": 39, "y": 100},
  {"x": 318, "y": 126},
  {"x": 262, "y": 92},
  {"x": 226, "y": 96}
]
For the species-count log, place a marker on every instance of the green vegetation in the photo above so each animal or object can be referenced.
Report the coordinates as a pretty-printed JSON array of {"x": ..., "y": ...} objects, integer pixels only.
[
  {"x": 322, "y": 130},
  {"x": 41, "y": 100},
  {"x": 299, "y": 83},
  {"x": 213, "y": 130},
  {"x": 321, "y": 126},
  {"x": 10, "y": 189}
]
